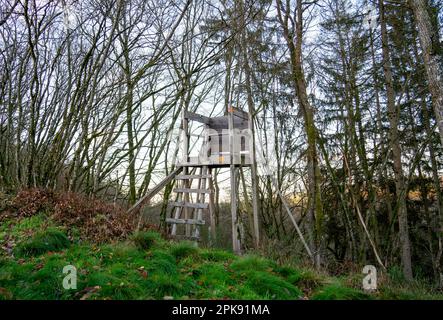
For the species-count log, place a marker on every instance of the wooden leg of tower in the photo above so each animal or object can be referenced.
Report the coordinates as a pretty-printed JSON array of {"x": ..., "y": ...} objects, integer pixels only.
[
  {"x": 211, "y": 209},
  {"x": 255, "y": 208},
  {"x": 235, "y": 238},
  {"x": 240, "y": 227}
]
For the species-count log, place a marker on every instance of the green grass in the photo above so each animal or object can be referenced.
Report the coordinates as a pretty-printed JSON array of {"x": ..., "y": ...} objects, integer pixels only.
[
  {"x": 51, "y": 239},
  {"x": 18, "y": 230},
  {"x": 271, "y": 286},
  {"x": 148, "y": 267},
  {"x": 252, "y": 262},
  {"x": 162, "y": 262},
  {"x": 337, "y": 291},
  {"x": 183, "y": 249},
  {"x": 415, "y": 290},
  {"x": 146, "y": 240},
  {"x": 216, "y": 255}
]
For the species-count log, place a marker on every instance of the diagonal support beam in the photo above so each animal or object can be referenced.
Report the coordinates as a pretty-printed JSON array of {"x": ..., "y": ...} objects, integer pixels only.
[{"x": 140, "y": 203}]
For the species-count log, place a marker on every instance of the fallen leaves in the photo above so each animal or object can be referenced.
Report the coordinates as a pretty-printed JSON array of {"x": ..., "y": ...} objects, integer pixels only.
[
  {"x": 5, "y": 293},
  {"x": 143, "y": 272},
  {"x": 96, "y": 220},
  {"x": 89, "y": 291}
]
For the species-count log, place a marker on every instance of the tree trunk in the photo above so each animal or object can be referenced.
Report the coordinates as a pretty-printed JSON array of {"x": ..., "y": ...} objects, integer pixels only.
[
  {"x": 251, "y": 113},
  {"x": 393, "y": 115},
  {"x": 315, "y": 207},
  {"x": 432, "y": 56}
]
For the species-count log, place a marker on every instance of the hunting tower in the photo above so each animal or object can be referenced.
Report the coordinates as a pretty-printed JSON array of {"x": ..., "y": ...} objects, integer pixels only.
[{"x": 227, "y": 142}]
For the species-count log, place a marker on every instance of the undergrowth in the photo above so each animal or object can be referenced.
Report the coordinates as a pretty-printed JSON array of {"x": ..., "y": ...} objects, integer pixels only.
[{"x": 146, "y": 266}]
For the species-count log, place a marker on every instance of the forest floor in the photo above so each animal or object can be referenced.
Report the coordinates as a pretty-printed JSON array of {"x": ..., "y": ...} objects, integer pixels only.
[{"x": 34, "y": 249}]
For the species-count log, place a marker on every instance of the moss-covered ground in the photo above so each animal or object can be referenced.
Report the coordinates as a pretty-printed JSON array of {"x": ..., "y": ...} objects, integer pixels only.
[{"x": 35, "y": 250}]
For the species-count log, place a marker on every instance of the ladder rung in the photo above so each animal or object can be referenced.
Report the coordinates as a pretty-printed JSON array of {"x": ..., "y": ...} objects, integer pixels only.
[
  {"x": 193, "y": 176},
  {"x": 190, "y": 205},
  {"x": 187, "y": 190},
  {"x": 185, "y": 221}
]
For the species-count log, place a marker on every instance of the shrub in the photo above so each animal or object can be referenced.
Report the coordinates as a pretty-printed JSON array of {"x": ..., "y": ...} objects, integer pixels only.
[
  {"x": 396, "y": 275},
  {"x": 49, "y": 240},
  {"x": 183, "y": 249}
]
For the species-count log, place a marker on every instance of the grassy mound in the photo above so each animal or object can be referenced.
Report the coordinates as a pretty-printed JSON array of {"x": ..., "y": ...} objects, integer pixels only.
[
  {"x": 183, "y": 249},
  {"x": 146, "y": 266},
  {"x": 49, "y": 240},
  {"x": 145, "y": 239}
]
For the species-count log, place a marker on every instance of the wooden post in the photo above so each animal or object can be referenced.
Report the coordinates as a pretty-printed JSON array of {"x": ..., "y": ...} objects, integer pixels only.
[
  {"x": 185, "y": 183},
  {"x": 212, "y": 231},
  {"x": 235, "y": 239},
  {"x": 254, "y": 180}
]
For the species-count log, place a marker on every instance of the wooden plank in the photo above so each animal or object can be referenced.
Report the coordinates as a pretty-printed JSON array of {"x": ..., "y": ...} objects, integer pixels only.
[
  {"x": 189, "y": 190},
  {"x": 189, "y": 205},
  {"x": 220, "y": 123},
  {"x": 196, "y": 117},
  {"x": 139, "y": 204},
  {"x": 213, "y": 165},
  {"x": 239, "y": 113},
  {"x": 193, "y": 176},
  {"x": 185, "y": 221}
]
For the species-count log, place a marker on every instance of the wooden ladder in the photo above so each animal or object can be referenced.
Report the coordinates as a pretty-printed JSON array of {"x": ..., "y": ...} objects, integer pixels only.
[{"x": 188, "y": 209}]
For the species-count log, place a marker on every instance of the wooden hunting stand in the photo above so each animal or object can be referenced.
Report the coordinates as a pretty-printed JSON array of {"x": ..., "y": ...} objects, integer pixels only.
[{"x": 227, "y": 143}]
